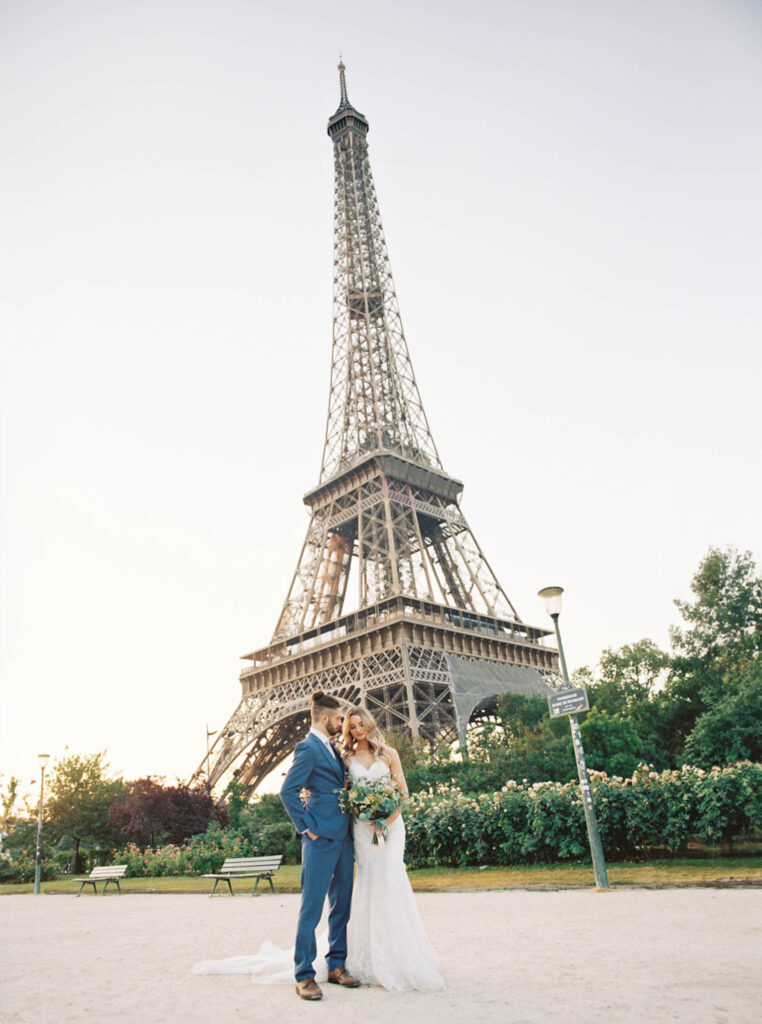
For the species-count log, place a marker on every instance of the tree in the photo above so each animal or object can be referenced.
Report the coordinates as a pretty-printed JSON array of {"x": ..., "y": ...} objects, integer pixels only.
[
  {"x": 611, "y": 743},
  {"x": 521, "y": 742},
  {"x": 17, "y": 831},
  {"x": 724, "y": 623},
  {"x": 520, "y": 715},
  {"x": 8, "y": 801},
  {"x": 236, "y": 794},
  {"x": 731, "y": 730},
  {"x": 263, "y": 816},
  {"x": 626, "y": 688},
  {"x": 719, "y": 647},
  {"x": 628, "y": 676},
  {"x": 150, "y": 813},
  {"x": 707, "y": 683},
  {"x": 81, "y": 793}
]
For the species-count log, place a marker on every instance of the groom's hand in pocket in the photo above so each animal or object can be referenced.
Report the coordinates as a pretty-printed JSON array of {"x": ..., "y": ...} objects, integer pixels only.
[{"x": 311, "y": 834}]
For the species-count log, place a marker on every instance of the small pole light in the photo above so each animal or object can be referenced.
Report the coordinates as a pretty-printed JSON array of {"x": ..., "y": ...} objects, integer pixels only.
[{"x": 43, "y": 759}]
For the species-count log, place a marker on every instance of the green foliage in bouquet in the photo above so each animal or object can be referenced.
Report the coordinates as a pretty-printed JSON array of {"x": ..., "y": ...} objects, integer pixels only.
[{"x": 373, "y": 801}]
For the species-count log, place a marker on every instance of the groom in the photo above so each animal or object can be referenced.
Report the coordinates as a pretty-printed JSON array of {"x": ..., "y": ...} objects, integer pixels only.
[{"x": 327, "y": 851}]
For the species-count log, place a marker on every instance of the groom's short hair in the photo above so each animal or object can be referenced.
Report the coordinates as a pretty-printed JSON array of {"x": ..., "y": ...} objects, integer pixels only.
[{"x": 323, "y": 704}]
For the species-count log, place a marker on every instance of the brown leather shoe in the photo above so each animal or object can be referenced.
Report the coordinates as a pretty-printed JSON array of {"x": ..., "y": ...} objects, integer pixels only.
[
  {"x": 340, "y": 976},
  {"x": 308, "y": 989}
]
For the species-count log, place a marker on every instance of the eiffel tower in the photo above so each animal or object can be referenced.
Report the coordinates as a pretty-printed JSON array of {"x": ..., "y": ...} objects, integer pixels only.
[{"x": 434, "y": 638}]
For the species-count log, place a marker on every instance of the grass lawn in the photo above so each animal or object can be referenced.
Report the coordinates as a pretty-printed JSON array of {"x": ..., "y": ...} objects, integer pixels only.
[{"x": 684, "y": 872}]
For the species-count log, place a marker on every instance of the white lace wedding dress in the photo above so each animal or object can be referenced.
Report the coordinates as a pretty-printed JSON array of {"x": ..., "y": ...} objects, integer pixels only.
[{"x": 386, "y": 941}]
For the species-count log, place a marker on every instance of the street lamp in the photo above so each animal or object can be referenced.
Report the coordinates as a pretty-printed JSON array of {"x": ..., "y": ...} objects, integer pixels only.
[
  {"x": 551, "y": 598},
  {"x": 43, "y": 759}
]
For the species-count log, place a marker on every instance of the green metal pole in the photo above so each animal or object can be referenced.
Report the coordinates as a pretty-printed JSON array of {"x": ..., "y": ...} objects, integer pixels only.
[
  {"x": 38, "y": 858},
  {"x": 593, "y": 835}
]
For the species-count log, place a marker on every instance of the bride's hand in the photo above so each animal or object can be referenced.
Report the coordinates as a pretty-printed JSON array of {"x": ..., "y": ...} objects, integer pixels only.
[{"x": 304, "y": 795}]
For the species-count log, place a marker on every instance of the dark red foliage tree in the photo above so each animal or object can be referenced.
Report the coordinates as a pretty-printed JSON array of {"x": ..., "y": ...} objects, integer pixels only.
[{"x": 151, "y": 813}]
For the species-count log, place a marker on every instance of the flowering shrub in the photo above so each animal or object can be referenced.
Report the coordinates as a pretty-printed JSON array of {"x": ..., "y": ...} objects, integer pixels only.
[
  {"x": 201, "y": 854},
  {"x": 544, "y": 822},
  {"x": 523, "y": 823},
  {"x": 206, "y": 852},
  {"x": 728, "y": 801},
  {"x": 21, "y": 868},
  {"x": 659, "y": 807},
  {"x": 556, "y": 823}
]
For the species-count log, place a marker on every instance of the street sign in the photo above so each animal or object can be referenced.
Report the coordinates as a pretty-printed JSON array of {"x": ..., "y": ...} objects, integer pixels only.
[{"x": 568, "y": 702}]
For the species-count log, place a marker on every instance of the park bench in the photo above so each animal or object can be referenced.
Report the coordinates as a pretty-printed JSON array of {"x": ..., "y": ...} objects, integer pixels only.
[
  {"x": 246, "y": 867},
  {"x": 110, "y": 874}
]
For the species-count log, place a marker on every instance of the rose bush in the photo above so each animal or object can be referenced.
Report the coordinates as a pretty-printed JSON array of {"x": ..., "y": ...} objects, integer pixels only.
[
  {"x": 728, "y": 801},
  {"x": 523, "y": 823},
  {"x": 21, "y": 867},
  {"x": 544, "y": 822}
]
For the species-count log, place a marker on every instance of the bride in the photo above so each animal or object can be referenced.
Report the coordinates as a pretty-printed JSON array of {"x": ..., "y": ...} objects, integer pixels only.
[
  {"x": 387, "y": 944},
  {"x": 386, "y": 941}
]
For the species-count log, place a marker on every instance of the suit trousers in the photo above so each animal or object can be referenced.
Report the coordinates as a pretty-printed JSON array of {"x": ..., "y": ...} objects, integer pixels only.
[{"x": 327, "y": 870}]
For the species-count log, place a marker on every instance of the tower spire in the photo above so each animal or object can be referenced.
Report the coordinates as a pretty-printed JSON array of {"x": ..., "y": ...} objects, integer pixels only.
[
  {"x": 346, "y": 116},
  {"x": 344, "y": 102},
  {"x": 374, "y": 404}
]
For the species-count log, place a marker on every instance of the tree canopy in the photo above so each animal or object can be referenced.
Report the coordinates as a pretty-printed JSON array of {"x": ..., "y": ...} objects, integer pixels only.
[
  {"x": 81, "y": 794},
  {"x": 149, "y": 812}
]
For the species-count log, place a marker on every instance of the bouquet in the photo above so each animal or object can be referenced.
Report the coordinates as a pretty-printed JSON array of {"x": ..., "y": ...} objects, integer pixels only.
[{"x": 372, "y": 801}]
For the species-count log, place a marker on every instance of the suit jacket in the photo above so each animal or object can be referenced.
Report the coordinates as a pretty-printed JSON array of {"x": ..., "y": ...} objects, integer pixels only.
[{"x": 321, "y": 771}]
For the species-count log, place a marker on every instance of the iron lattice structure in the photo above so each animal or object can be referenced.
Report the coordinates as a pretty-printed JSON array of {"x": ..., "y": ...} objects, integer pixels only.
[{"x": 435, "y": 637}]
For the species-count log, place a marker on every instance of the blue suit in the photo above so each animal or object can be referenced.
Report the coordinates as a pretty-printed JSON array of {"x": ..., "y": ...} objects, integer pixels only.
[{"x": 328, "y": 861}]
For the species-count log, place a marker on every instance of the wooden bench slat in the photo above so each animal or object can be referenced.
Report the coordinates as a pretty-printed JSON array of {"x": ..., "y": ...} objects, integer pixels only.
[
  {"x": 274, "y": 859},
  {"x": 113, "y": 871}
]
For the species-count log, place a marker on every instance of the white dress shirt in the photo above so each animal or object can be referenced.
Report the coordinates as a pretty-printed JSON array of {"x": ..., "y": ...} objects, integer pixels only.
[{"x": 322, "y": 736}]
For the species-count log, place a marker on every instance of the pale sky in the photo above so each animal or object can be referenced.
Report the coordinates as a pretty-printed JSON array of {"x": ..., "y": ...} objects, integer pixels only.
[{"x": 571, "y": 199}]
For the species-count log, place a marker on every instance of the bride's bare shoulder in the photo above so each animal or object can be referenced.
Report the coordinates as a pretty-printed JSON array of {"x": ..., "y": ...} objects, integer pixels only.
[{"x": 391, "y": 753}]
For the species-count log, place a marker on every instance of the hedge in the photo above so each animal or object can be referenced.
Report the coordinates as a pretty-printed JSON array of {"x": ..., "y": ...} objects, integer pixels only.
[
  {"x": 521, "y": 824},
  {"x": 544, "y": 822}
]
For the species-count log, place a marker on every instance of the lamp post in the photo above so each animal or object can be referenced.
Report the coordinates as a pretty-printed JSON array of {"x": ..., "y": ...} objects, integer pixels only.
[
  {"x": 551, "y": 597},
  {"x": 43, "y": 759}
]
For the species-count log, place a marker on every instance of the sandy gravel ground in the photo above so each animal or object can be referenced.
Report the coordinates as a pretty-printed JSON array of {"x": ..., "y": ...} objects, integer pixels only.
[{"x": 692, "y": 955}]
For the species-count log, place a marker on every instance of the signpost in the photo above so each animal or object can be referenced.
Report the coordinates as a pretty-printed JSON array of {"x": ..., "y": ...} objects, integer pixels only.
[{"x": 568, "y": 702}]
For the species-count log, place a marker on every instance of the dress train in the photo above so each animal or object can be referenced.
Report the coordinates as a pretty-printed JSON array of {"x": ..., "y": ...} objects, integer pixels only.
[{"x": 270, "y": 966}]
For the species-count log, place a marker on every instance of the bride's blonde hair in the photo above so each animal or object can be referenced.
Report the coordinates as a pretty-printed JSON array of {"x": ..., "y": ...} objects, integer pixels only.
[{"x": 378, "y": 745}]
